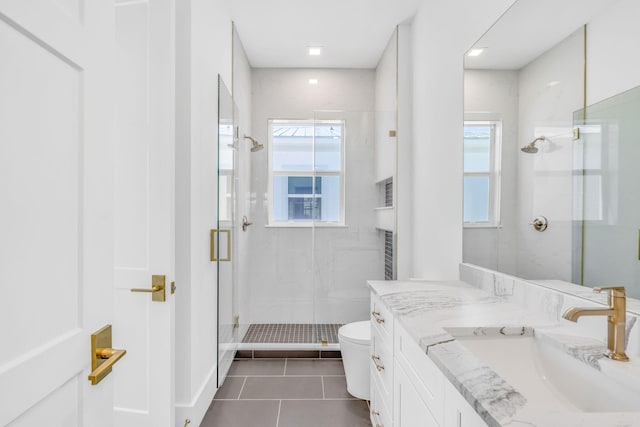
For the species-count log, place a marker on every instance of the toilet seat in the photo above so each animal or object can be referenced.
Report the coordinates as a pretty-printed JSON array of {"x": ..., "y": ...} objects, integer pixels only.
[{"x": 356, "y": 333}]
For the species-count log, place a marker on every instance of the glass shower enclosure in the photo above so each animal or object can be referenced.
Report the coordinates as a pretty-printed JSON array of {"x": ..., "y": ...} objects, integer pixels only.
[
  {"x": 223, "y": 250},
  {"x": 314, "y": 242}
]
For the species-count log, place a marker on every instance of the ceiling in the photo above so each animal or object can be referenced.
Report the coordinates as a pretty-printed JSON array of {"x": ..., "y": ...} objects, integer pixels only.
[
  {"x": 352, "y": 33},
  {"x": 529, "y": 28}
]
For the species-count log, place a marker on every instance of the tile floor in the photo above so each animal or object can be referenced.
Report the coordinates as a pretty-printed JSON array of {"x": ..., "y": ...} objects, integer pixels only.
[{"x": 286, "y": 393}]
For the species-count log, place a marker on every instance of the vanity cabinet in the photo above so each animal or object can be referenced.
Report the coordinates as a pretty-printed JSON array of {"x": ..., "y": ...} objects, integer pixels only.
[
  {"x": 381, "y": 364},
  {"x": 411, "y": 409},
  {"x": 457, "y": 411},
  {"x": 407, "y": 388}
]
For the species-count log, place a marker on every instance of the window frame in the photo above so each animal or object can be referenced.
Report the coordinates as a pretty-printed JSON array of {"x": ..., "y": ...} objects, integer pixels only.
[
  {"x": 313, "y": 173},
  {"x": 494, "y": 174}
]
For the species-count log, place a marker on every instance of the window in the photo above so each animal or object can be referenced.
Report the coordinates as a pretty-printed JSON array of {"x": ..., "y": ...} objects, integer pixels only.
[
  {"x": 306, "y": 172},
  {"x": 482, "y": 140}
]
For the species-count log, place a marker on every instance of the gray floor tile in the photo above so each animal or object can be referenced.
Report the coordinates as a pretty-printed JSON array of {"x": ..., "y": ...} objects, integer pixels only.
[
  {"x": 230, "y": 388},
  {"x": 257, "y": 367},
  {"x": 282, "y": 388},
  {"x": 324, "y": 413},
  {"x": 336, "y": 388},
  {"x": 314, "y": 367},
  {"x": 241, "y": 413}
]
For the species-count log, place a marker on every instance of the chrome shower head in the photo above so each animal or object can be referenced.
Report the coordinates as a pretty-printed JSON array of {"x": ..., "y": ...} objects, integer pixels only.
[
  {"x": 255, "y": 145},
  {"x": 531, "y": 148}
]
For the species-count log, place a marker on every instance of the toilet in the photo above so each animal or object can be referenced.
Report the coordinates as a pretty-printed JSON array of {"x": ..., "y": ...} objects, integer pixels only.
[{"x": 355, "y": 339}]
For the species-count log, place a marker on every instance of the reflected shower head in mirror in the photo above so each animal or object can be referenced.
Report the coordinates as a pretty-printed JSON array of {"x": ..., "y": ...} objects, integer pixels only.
[
  {"x": 255, "y": 145},
  {"x": 531, "y": 148}
]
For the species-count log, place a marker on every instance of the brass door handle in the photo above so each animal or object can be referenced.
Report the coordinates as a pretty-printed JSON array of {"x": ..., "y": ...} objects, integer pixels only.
[
  {"x": 103, "y": 357},
  {"x": 109, "y": 356},
  {"x": 153, "y": 289},
  {"x": 157, "y": 289}
]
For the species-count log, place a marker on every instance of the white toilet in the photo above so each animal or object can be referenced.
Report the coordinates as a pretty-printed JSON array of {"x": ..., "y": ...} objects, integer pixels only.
[{"x": 355, "y": 339}]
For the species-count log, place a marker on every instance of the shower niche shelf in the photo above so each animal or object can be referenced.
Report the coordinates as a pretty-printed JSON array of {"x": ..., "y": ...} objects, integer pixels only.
[{"x": 385, "y": 212}]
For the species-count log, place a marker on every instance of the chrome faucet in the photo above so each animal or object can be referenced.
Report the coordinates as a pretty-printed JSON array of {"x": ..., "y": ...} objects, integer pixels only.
[{"x": 616, "y": 320}]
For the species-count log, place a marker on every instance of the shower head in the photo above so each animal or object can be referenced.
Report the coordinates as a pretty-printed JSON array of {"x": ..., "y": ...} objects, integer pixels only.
[
  {"x": 255, "y": 145},
  {"x": 531, "y": 148}
]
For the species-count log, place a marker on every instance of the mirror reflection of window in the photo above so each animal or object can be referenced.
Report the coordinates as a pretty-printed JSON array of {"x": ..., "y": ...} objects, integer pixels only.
[{"x": 482, "y": 141}]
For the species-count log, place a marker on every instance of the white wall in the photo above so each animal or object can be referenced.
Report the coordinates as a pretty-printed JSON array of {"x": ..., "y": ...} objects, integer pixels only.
[
  {"x": 284, "y": 286},
  {"x": 404, "y": 173},
  {"x": 441, "y": 32},
  {"x": 493, "y": 95},
  {"x": 613, "y": 58},
  {"x": 203, "y": 49}
]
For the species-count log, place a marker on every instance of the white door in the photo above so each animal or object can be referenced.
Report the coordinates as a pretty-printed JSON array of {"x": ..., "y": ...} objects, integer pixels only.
[
  {"x": 56, "y": 210},
  {"x": 144, "y": 206}
]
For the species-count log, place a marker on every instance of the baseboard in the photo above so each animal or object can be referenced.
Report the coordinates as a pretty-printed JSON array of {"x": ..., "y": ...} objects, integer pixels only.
[{"x": 197, "y": 408}]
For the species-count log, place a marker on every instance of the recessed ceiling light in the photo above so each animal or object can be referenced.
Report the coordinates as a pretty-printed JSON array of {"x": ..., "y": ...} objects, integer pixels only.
[
  {"x": 475, "y": 52},
  {"x": 315, "y": 51},
  {"x": 313, "y": 81},
  {"x": 553, "y": 83}
]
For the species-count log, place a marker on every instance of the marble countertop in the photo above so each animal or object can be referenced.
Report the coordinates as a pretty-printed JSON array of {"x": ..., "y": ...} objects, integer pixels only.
[{"x": 431, "y": 311}]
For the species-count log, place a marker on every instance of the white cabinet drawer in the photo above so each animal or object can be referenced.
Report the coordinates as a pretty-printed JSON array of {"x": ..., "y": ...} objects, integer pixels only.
[
  {"x": 380, "y": 413},
  {"x": 423, "y": 373},
  {"x": 381, "y": 361},
  {"x": 381, "y": 318}
]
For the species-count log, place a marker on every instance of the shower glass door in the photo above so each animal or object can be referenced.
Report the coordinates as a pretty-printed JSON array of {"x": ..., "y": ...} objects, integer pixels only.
[
  {"x": 347, "y": 247},
  {"x": 222, "y": 238},
  {"x": 313, "y": 242}
]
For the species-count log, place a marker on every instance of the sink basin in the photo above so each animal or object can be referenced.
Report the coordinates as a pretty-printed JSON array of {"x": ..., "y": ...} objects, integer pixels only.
[{"x": 549, "y": 377}]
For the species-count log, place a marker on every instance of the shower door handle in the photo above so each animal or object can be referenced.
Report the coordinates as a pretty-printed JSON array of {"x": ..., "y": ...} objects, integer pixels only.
[
  {"x": 213, "y": 256},
  {"x": 245, "y": 223}
]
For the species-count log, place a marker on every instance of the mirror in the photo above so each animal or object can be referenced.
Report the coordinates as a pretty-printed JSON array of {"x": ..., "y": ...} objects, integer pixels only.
[
  {"x": 525, "y": 93},
  {"x": 222, "y": 237},
  {"x": 607, "y": 153}
]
